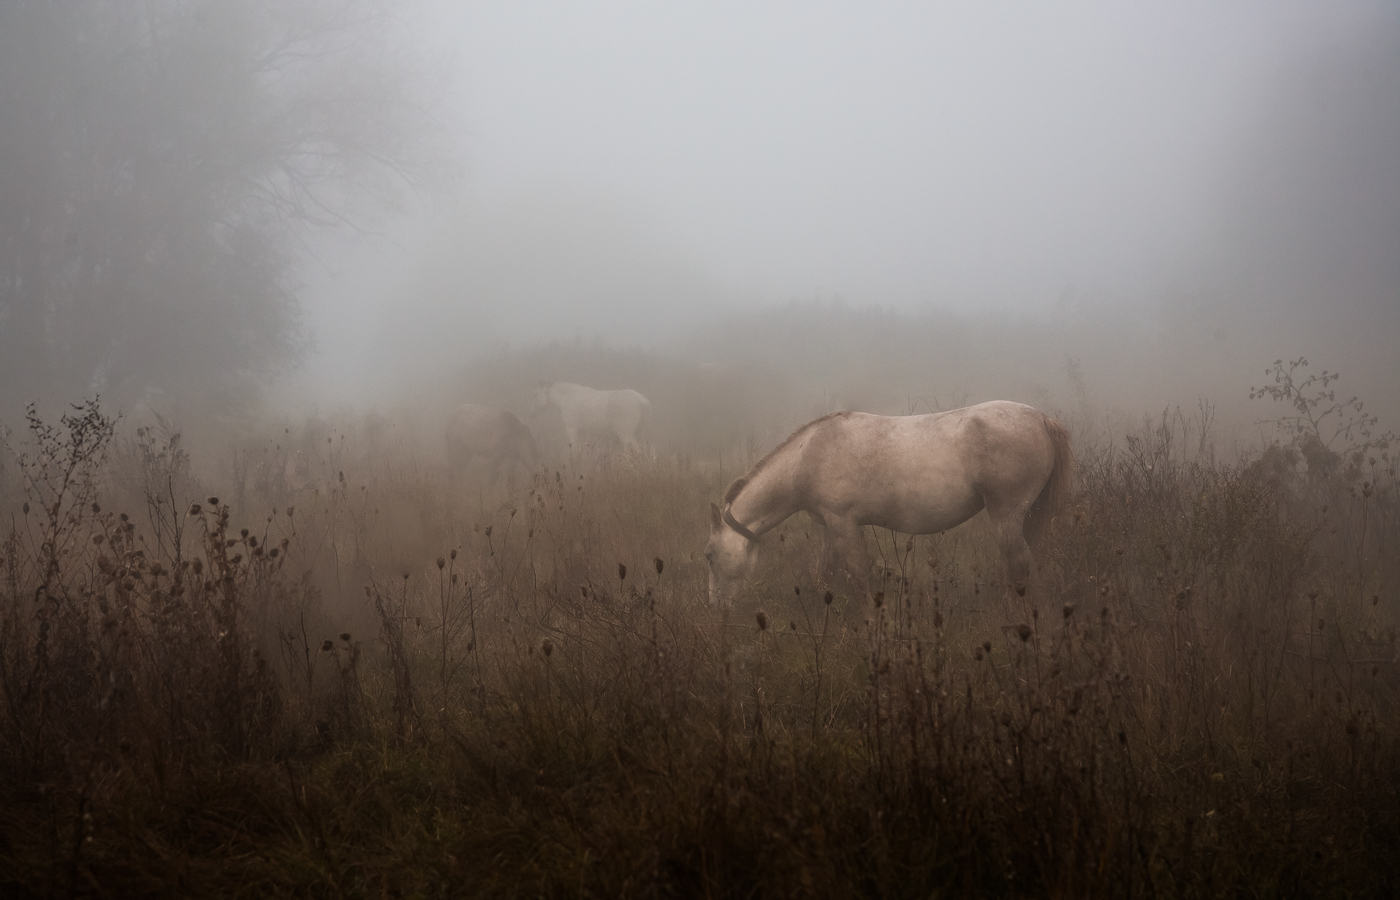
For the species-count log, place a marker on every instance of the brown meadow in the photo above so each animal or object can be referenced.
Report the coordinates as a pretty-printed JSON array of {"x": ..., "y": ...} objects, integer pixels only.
[{"x": 378, "y": 682}]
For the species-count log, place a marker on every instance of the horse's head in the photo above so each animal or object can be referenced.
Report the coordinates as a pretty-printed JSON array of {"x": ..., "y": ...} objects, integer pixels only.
[{"x": 731, "y": 556}]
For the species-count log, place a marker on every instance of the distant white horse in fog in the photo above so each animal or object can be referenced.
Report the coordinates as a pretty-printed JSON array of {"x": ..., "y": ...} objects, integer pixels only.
[
  {"x": 589, "y": 411},
  {"x": 913, "y": 474},
  {"x": 496, "y": 436}
]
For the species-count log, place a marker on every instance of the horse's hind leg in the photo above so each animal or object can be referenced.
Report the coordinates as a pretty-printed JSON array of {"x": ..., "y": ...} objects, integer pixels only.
[{"x": 1011, "y": 539}]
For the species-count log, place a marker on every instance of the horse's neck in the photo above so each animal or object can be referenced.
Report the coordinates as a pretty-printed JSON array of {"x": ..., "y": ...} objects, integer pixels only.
[
  {"x": 770, "y": 495},
  {"x": 565, "y": 392}
]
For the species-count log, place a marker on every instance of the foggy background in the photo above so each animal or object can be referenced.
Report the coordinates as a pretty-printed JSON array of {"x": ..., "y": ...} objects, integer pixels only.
[{"x": 1097, "y": 208}]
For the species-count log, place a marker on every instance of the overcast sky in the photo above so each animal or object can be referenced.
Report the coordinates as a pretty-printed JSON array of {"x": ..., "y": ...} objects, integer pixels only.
[{"x": 627, "y": 163}]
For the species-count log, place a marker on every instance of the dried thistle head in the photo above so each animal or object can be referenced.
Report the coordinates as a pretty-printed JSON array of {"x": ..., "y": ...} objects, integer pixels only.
[
  {"x": 547, "y": 646},
  {"x": 828, "y": 597},
  {"x": 1023, "y": 631},
  {"x": 659, "y": 565},
  {"x": 762, "y": 618}
]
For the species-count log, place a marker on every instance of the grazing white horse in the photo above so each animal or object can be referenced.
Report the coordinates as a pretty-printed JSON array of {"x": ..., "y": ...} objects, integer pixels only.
[
  {"x": 495, "y": 436},
  {"x": 913, "y": 474},
  {"x": 589, "y": 411}
]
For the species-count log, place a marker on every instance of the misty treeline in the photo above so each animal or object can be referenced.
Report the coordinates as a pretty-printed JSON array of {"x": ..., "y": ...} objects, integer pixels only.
[
  {"x": 746, "y": 381},
  {"x": 160, "y": 164}
]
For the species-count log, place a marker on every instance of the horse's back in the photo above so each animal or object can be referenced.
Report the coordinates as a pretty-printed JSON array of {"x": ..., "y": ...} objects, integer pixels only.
[
  {"x": 627, "y": 403},
  {"x": 916, "y": 473},
  {"x": 967, "y": 434}
]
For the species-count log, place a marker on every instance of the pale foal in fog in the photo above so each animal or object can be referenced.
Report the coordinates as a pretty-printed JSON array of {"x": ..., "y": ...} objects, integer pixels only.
[
  {"x": 911, "y": 474},
  {"x": 496, "y": 437},
  {"x": 589, "y": 411}
]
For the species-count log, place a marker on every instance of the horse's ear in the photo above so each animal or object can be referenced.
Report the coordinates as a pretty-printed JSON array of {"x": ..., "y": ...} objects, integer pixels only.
[{"x": 716, "y": 518}]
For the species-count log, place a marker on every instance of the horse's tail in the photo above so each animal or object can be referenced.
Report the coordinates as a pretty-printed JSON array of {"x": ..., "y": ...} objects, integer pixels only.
[
  {"x": 1059, "y": 487},
  {"x": 643, "y": 432}
]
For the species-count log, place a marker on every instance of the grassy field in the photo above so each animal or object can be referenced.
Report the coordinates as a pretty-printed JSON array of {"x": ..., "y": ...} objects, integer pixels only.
[{"x": 369, "y": 680}]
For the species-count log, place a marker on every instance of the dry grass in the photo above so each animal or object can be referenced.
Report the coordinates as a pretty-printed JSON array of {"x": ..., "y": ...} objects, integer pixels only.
[{"x": 404, "y": 687}]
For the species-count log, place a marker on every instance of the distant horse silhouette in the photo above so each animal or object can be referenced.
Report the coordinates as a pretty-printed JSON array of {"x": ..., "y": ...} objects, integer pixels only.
[
  {"x": 588, "y": 411},
  {"x": 495, "y": 436},
  {"x": 913, "y": 474}
]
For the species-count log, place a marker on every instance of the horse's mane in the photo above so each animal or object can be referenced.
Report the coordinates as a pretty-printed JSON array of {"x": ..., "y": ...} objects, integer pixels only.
[{"x": 732, "y": 492}]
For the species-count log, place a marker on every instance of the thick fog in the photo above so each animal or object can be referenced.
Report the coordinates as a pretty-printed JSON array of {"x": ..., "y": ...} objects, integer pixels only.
[{"x": 1116, "y": 206}]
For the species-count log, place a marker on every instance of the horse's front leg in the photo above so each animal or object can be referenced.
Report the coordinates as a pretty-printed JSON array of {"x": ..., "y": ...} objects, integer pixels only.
[{"x": 846, "y": 562}]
